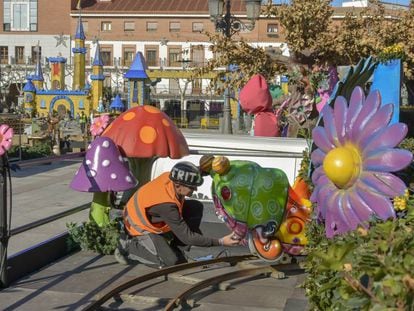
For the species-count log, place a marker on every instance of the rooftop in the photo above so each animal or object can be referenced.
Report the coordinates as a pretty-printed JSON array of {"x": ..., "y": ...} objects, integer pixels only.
[{"x": 150, "y": 6}]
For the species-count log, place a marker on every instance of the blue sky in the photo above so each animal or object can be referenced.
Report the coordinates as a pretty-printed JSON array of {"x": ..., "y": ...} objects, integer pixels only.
[
  {"x": 406, "y": 2},
  {"x": 339, "y": 2}
]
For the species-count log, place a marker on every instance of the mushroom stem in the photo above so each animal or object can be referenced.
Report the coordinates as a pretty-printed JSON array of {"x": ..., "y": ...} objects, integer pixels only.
[
  {"x": 100, "y": 208},
  {"x": 141, "y": 169}
]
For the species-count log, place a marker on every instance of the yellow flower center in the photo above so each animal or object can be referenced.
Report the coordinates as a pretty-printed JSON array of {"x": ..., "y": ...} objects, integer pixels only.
[{"x": 342, "y": 165}]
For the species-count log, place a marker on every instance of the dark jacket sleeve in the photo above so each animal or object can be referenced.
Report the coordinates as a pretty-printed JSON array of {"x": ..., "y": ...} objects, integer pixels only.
[{"x": 169, "y": 214}]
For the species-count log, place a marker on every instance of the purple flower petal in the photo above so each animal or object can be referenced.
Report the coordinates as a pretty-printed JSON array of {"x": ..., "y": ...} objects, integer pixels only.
[
  {"x": 355, "y": 106},
  {"x": 323, "y": 195},
  {"x": 388, "y": 160},
  {"x": 362, "y": 209},
  {"x": 378, "y": 203},
  {"x": 317, "y": 157},
  {"x": 381, "y": 118},
  {"x": 347, "y": 213},
  {"x": 340, "y": 114},
  {"x": 383, "y": 183},
  {"x": 329, "y": 125},
  {"x": 321, "y": 139},
  {"x": 370, "y": 107},
  {"x": 334, "y": 224},
  {"x": 318, "y": 172},
  {"x": 323, "y": 182},
  {"x": 390, "y": 137}
]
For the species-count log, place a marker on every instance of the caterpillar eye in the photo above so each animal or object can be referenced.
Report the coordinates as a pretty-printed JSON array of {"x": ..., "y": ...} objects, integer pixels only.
[{"x": 226, "y": 193}]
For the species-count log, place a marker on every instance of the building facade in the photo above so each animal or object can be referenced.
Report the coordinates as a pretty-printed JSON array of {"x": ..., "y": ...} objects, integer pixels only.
[{"x": 168, "y": 33}]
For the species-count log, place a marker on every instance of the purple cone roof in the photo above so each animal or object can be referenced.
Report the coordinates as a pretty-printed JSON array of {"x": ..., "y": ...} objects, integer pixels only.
[{"x": 103, "y": 169}]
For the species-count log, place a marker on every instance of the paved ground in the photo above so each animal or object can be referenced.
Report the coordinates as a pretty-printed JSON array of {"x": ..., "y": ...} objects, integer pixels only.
[
  {"x": 73, "y": 282},
  {"x": 39, "y": 192}
]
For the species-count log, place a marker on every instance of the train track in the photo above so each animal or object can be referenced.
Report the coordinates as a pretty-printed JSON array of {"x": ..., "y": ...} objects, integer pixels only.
[{"x": 245, "y": 269}]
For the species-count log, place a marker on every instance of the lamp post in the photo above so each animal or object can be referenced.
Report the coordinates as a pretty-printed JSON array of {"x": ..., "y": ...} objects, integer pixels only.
[{"x": 229, "y": 25}]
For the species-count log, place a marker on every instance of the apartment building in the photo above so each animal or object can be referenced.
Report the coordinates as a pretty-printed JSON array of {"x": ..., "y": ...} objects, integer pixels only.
[
  {"x": 27, "y": 22},
  {"x": 30, "y": 30},
  {"x": 170, "y": 35}
]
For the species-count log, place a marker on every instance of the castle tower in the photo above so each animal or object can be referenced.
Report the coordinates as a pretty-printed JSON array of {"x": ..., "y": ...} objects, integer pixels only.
[
  {"x": 29, "y": 95},
  {"x": 57, "y": 72},
  {"x": 79, "y": 52},
  {"x": 136, "y": 75},
  {"x": 97, "y": 77},
  {"x": 37, "y": 78}
]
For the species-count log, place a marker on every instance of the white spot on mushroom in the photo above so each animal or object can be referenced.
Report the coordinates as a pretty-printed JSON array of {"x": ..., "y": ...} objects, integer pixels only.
[
  {"x": 89, "y": 146},
  {"x": 91, "y": 173},
  {"x": 106, "y": 163},
  {"x": 128, "y": 179},
  {"x": 105, "y": 144},
  {"x": 88, "y": 162},
  {"x": 120, "y": 158},
  {"x": 113, "y": 176}
]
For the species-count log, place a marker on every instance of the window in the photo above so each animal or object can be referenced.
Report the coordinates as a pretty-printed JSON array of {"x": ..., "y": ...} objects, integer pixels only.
[
  {"x": 129, "y": 26},
  {"x": 4, "y": 55},
  {"x": 175, "y": 26},
  {"x": 35, "y": 51},
  {"x": 20, "y": 15},
  {"x": 88, "y": 55},
  {"x": 198, "y": 27},
  {"x": 196, "y": 86},
  {"x": 272, "y": 28},
  {"x": 151, "y": 56},
  {"x": 128, "y": 55},
  {"x": 19, "y": 54},
  {"x": 174, "y": 57},
  {"x": 85, "y": 26},
  {"x": 107, "y": 82},
  {"x": 106, "y": 26},
  {"x": 174, "y": 87},
  {"x": 197, "y": 55},
  {"x": 152, "y": 26},
  {"x": 106, "y": 55}
]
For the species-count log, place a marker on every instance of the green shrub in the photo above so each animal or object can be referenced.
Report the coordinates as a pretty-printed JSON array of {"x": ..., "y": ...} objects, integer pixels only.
[
  {"x": 31, "y": 152},
  {"x": 365, "y": 269},
  {"x": 407, "y": 175},
  {"x": 89, "y": 236}
]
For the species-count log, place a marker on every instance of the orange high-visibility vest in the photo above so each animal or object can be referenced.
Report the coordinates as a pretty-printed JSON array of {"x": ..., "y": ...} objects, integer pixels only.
[{"x": 160, "y": 190}]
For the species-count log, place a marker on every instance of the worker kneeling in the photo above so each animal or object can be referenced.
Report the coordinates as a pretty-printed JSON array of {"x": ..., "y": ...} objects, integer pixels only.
[{"x": 160, "y": 223}]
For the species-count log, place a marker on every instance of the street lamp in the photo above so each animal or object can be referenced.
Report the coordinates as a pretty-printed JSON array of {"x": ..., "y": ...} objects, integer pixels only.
[{"x": 230, "y": 25}]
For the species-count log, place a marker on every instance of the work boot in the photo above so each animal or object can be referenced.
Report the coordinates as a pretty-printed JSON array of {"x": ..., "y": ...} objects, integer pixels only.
[
  {"x": 121, "y": 251},
  {"x": 120, "y": 258}
]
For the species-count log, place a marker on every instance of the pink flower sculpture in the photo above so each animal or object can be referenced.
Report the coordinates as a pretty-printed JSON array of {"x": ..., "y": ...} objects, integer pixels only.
[
  {"x": 6, "y": 135},
  {"x": 99, "y": 124},
  {"x": 354, "y": 161}
]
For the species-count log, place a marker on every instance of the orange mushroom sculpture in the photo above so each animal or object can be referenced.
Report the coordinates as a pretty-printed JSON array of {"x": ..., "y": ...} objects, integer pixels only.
[{"x": 144, "y": 133}]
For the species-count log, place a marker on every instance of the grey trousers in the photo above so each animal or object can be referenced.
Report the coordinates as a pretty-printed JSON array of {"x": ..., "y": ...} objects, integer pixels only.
[{"x": 161, "y": 250}]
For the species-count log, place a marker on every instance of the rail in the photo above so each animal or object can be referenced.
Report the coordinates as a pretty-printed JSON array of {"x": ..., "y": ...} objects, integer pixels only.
[
  {"x": 246, "y": 265},
  {"x": 163, "y": 272},
  {"x": 13, "y": 264}
]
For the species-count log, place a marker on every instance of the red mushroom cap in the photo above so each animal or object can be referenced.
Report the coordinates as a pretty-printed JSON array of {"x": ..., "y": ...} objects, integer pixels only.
[
  {"x": 103, "y": 169},
  {"x": 145, "y": 131}
]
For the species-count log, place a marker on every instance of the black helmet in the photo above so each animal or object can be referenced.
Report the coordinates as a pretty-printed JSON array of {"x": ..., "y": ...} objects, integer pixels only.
[{"x": 187, "y": 174}]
